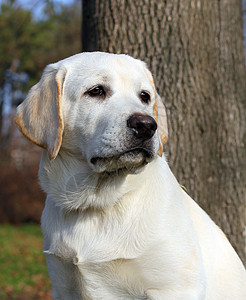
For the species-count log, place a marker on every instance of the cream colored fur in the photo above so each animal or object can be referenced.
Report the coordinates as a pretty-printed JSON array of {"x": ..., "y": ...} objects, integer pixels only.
[{"x": 116, "y": 223}]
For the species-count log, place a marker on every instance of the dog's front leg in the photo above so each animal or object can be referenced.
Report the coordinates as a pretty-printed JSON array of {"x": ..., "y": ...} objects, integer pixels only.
[{"x": 65, "y": 278}]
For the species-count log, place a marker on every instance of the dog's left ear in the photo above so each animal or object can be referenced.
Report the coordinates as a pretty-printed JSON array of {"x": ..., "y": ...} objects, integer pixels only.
[
  {"x": 160, "y": 116},
  {"x": 39, "y": 117}
]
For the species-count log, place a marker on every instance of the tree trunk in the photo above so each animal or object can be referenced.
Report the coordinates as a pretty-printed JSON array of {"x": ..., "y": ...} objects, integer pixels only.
[{"x": 194, "y": 49}]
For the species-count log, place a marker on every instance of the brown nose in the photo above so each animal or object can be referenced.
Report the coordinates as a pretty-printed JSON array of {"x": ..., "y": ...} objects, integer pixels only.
[{"x": 143, "y": 126}]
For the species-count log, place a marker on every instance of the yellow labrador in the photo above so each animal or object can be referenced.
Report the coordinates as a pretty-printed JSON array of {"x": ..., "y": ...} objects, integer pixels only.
[{"x": 116, "y": 223}]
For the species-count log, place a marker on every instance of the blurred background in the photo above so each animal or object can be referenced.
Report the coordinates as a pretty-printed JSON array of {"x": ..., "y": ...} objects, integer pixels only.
[{"x": 34, "y": 33}]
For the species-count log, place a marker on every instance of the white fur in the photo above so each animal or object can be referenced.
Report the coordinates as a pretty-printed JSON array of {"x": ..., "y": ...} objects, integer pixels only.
[{"x": 124, "y": 234}]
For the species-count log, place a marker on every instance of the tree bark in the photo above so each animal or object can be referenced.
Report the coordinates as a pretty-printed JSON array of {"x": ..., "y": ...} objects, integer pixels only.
[{"x": 195, "y": 51}]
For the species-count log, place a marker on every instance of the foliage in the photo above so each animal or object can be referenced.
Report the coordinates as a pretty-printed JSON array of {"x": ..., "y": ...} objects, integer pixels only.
[
  {"x": 23, "y": 271},
  {"x": 35, "y": 43}
]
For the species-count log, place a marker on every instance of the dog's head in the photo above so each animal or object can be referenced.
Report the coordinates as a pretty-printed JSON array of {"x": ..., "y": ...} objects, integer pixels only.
[{"x": 101, "y": 107}]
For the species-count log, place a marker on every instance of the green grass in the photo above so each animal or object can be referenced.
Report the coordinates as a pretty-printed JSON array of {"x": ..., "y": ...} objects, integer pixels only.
[{"x": 23, "y": 272}]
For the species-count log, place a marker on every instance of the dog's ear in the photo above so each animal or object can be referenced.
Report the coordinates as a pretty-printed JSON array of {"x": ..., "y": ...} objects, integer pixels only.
[
  {"x": 39, "y": 117},
  {"x": 159, "y": 113}
]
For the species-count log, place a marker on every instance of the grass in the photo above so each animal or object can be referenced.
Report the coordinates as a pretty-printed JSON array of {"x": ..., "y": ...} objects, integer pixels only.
[{"x": 23, "y": 272}]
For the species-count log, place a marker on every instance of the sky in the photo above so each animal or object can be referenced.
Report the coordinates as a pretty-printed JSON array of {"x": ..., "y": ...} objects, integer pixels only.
[
  {"x": 30, "y": 3},
  {"x": 36, "y": 6}
]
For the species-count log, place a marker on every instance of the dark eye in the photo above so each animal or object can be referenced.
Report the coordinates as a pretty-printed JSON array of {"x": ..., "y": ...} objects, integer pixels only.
[
  {"x": 97, "y": 92},
  {"x": 145, "y": 97}
]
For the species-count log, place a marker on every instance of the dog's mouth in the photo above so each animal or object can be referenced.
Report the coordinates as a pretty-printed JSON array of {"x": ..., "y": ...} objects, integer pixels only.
[{"x": 130, "y": 161}]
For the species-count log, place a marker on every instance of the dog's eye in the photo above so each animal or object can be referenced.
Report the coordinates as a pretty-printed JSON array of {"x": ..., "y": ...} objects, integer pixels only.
[
  {"x": 97, "y": 92},
  {"x": 145, "y": 97}
]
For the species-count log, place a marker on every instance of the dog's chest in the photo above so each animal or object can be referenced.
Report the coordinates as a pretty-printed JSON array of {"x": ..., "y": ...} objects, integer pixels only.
[
  {"x": 102, "y": 254},
  {"x": 103, "y": 260},
  {"x": 98, "y": 239}
]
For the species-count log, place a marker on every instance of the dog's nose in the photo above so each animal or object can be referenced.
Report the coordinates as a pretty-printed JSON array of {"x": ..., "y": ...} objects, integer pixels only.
[{"x": 143, "y": 126}]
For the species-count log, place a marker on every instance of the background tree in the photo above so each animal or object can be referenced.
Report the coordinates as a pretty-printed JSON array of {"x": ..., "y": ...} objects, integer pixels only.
[{"x": 195, "y": 51}]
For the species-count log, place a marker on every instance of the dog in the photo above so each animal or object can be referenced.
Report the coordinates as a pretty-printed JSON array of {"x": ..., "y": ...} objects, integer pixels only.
[{"x": 116, "y": 223}]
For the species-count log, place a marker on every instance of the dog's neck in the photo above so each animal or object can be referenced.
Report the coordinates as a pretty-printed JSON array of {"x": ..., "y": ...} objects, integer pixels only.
[{"x": 72, "y": 184}]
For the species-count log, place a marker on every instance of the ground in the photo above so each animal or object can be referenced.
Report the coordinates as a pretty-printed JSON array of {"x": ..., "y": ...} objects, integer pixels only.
[{"x": 23, "y": 272}]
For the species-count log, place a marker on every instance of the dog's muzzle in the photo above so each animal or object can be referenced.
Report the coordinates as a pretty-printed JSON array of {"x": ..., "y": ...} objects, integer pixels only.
[{"x": 137, "y": 153}]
